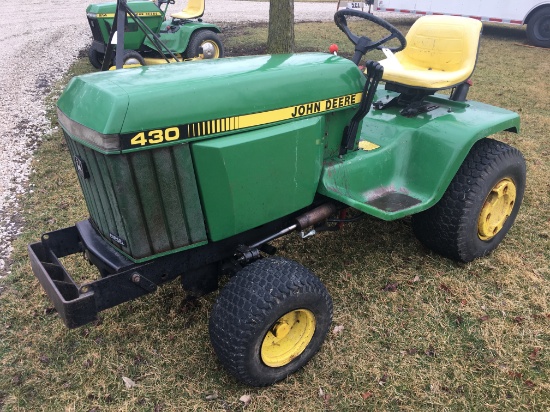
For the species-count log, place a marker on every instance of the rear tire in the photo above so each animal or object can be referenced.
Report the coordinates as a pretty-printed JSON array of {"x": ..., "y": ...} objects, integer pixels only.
[
  {"x": 209, "y": 41},
  {"x": 269, "y": 321},
  {"x": 538, "y": 28},
  {"x": 479, "y": 206}
]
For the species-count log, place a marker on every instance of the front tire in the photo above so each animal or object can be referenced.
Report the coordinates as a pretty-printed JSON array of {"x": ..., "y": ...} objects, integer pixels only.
[
  {"x": 212, "y": 47},
  {"x": 269, "y": 321},
  {"x": 479, "y": 206},
  {"x": 538, "y": 28},
  {"x": 132, "y": 57},
  {"x": 96, "y": 58}
]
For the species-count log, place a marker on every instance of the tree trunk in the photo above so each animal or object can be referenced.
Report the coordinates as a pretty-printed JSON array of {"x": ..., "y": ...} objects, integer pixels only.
[{"x": 280, "y": 37}]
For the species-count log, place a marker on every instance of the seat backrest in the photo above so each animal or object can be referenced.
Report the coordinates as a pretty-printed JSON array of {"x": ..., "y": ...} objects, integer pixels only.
[
  {"x": 193, "y": 10},
  {"x": 195, "y": 7},
  {"x": 445, "y": 43}
]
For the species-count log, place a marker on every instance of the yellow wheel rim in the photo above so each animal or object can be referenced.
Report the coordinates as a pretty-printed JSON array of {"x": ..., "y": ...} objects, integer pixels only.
[
  {"x": 497, "y": 208},
  {"x": 288, "y": 338},
  {"x": 210, "y": 49}
]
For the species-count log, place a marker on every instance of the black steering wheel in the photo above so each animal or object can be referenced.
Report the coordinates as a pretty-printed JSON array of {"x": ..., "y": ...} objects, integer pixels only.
[{"x": 363, "y": 44}]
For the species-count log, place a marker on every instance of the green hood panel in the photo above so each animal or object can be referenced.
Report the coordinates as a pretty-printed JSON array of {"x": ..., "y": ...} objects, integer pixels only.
[
  {"x": 99, "y": 106},
  {"x": 160, "y": 97}
]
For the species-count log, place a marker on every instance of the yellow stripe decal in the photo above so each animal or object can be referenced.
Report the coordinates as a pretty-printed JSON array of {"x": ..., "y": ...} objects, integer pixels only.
[
  {"x": 140, "y": 14},
  {"x": 214, "y": 126},
  {"x": 279, "y": 115}
]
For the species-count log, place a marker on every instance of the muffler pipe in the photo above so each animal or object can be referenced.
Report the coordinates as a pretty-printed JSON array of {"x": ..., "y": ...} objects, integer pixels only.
[{"x": 306, "y": 220}]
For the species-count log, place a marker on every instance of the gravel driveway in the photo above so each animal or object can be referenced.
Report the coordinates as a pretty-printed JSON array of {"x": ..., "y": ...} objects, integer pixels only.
[{"x": 40, "y": 39}]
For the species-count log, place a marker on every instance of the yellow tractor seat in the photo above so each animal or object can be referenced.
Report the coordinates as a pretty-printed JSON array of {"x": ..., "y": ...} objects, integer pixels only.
[
  {"x": 441, "y": 53},
  {"x": 194, "y": 10}
]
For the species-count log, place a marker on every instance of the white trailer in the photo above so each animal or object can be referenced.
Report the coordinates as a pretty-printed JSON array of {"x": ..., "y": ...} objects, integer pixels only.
[{"x": 534, "y": 13}]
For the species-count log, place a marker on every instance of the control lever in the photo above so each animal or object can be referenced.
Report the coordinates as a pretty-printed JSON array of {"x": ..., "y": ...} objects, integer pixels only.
[{"x": 374, "y": 74}]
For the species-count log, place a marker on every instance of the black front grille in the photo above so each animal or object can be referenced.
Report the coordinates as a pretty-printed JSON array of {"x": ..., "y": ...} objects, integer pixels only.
[{"x": 96, "y": 31}]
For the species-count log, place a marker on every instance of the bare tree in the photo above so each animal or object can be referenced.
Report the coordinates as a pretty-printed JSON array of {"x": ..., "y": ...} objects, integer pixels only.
[{"x": 280, "y": 37}]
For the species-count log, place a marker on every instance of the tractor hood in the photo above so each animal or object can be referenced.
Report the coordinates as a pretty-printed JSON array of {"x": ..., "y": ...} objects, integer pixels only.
[{"x": 206, "y": 98}]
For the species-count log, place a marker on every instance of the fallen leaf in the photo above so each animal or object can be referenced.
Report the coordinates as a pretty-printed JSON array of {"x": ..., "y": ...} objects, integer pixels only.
[
  {"x": 390, "y": 287},
  {"x": 529, "y": 383},
  {"x": 321, "y": 392},
  {"x": 129, "y": 383},
  {"x": 430, "y": 351},
  {"x": 211, "y": 396},
  {"x": 535, "y": 353},
  {"x": 445, "y": 288},
  {"x": 515, "y": 375},
  {"x": 416, "y": 278},
  {"x": 88, "y": 363},
  {"x": 366, "y": 395},
  {"x": 338, "y": 329},
  {"x": 484, "y": 318},
  {"x": 245, "y": 399}
]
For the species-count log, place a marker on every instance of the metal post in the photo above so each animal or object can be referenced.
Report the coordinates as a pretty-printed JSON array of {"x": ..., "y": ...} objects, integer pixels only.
[{"x": 121, "y": 20}]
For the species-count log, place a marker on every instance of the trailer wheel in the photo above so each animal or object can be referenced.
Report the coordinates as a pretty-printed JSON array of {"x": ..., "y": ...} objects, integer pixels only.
[
  {"x": 96, "y": 58},
  {"x": 538, "y": 28},
  {"x": 269, "y": 321},
  {"x": 479, "y": 206},
  {"x": 212, "y": 47}
]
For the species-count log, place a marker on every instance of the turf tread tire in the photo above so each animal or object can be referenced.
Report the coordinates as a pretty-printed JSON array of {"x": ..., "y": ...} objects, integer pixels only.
[
  {"x": 198, "y": 38},
  {"x": 450, "y": 226},
  {"x": 250, "y": 304}
]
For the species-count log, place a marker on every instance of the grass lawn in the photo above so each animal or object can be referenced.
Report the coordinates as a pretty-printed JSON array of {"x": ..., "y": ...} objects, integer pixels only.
[{"x": 444, "y": 336}]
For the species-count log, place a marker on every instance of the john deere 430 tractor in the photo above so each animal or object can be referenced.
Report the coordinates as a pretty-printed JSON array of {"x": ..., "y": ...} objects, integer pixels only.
[
  {"x": 149, "y": 37},
  {"x": 190, "y": 170}
]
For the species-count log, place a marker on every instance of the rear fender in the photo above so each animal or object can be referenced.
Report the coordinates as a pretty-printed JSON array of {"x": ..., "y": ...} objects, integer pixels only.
[
  {"x": 177, "y": 42},
  {"x": 408, "y": 163}
]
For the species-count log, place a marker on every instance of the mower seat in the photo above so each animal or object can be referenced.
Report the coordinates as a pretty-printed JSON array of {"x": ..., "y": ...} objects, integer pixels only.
[
  {"x": 441, "y": 53},
  {"x": 194, "y": 10}
]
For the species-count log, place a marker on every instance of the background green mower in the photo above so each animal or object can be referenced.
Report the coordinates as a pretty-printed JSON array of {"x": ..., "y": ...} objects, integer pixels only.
[{"x": 149, "y": 37}]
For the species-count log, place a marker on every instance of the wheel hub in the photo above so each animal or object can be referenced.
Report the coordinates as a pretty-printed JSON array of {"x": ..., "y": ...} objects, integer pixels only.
[
  {"x": 209, "y": 50},
  {"x": 497, "y": 208},
  {"x": 288, "y": 338}
]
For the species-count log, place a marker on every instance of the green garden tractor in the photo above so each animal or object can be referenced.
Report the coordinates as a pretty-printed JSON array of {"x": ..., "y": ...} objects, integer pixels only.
[
  {"x": 252, "y": 148},
  {"x": 149, "y": 37}
]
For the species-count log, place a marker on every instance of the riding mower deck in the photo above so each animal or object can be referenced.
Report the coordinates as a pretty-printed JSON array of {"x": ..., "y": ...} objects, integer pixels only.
[
  {"x": 199, "y": 187},
  {"x": 149, "y": 37}
]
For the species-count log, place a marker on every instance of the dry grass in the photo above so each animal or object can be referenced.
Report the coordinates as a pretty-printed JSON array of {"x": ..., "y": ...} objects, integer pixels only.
[{"x": 445, "y": 336}]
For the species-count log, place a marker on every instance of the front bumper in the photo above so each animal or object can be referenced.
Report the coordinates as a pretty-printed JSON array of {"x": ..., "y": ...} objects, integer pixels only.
[{"x": 122, "y": 280}]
